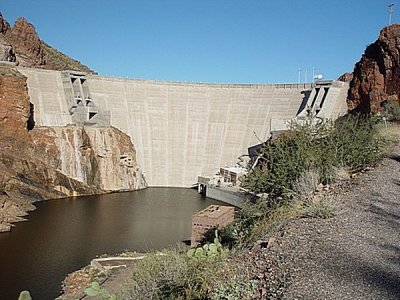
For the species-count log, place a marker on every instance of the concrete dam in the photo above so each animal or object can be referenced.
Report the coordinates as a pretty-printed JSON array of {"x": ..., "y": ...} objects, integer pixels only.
[{"x": 180, "y": 130}]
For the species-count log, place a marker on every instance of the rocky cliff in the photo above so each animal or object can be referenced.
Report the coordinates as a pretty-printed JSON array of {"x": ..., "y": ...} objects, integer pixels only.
[
  {"x": 104, "y": 158},
  {"x": 21, "y": 44},
  {"x": 6, "y": 50},
  {"x": 376, "y": 77},
  {"x": 48, "y": 163}
]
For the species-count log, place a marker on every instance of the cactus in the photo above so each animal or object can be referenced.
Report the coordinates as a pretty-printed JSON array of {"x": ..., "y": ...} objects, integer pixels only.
[
  {"x": 208, "y": 250},
  {"x": 25, "y": 295},
  {"x": 96, "y": 290}
]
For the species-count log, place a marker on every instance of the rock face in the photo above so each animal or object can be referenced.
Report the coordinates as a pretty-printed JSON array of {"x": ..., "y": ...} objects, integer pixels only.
[
  {"x": 346, "y": 77},
  {"x": 48, "y": 163},
  {"x": 6, "y": 50},
  {"x": 104, "y": 158},
  {"x": 376, "y": 77},
  {"x": 27, "y": 44},
  {"x": 21, "y": 44}
]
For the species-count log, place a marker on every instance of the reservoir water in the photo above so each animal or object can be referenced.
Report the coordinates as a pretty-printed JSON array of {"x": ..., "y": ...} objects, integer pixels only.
[{"x": 63, "y": 235}]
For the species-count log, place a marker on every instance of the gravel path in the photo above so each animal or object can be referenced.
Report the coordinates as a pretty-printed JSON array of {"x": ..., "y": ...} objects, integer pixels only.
[{"x": 355, "y": 255}]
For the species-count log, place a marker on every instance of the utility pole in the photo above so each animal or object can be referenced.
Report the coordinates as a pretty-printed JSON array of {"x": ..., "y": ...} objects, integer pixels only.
[
  {"x": 298, "y": 75},
  {"x": 305, "y": 76},
  {"x": 391, "y": 10},
  {"x": 313, "y": 74}
]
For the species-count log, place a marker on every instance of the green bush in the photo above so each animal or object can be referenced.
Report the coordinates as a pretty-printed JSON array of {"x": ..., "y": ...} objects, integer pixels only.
[
  {"x": 320, "y": 147},
  {"x": 189, "y": 274},
  {"x": 235, "y": 288},
  {"x": 156, "y": 277},
  {"x": 96, "y": 290},
  {"x": 356, "y": 142},
  {"x": 25, "y": 295}
]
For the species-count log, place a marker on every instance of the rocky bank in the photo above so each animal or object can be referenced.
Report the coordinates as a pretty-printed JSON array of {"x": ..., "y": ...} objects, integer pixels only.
[{"x": 376, "y": 77}]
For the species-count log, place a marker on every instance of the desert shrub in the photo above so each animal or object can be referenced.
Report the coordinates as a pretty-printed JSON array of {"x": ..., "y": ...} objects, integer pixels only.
[
  {"x": 291, "y": 165},
  {"x": 391, "y": 110},
  {"x": 155, "y": 276},
  {"x": 234, "y": 287},
  {"x": 340, "y": 174},
  {"x": 177, "y": 274},
  {"x": 96, "y": 289},
  {"x": 286, "y": 158},
  {"x": 356, "y": 142},
  {"x": 320, "y": 207},
  {"x": 306, "y": 185},
  {"x": 239, "y": 232},
  {"x": 322, "y": 147}
]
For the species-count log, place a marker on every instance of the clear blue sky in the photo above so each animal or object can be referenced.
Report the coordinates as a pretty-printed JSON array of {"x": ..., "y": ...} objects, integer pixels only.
[{"x": 247, "y": 41}]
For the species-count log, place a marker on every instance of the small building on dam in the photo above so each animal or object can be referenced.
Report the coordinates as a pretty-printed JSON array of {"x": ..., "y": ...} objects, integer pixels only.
[{"x": 180, "y": 130}]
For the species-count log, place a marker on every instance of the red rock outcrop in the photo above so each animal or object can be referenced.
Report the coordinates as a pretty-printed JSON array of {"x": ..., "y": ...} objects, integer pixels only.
[
  {"x": 346, "y": 77},
  {"x": 26, "y": 43},
  {"x": 22, "y": 44},
  {"x": 7, "y": 52},
  {"x": 376, "y": 77},
  {"x": 4, "y": 26}
]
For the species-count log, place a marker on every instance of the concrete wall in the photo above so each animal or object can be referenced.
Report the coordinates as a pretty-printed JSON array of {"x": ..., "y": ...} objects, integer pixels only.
[
  {"x": 180, "y": 130},
  {"x": 46, "y": 92},
  {"x": 228, "y": 196}
]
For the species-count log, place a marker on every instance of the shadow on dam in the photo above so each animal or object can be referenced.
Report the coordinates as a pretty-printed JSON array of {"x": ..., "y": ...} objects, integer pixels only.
[{"x": 62, "y": 236}]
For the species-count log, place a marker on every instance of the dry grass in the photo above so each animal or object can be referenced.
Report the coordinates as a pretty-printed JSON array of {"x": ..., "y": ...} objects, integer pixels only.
[
  {"x": 278, "y": 218},
  {"x": 391, "y": 132},
  {"x": 306, "y": 185},
  {"x": 321, "y": 206},
  {"x": 340, "y": 174}
]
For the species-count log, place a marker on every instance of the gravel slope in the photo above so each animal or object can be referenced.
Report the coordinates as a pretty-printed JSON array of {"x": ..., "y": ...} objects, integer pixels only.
[{"x": 355, "y": 255}]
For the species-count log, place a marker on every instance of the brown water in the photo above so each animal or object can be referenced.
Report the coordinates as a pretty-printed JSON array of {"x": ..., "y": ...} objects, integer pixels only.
[{"x": 62, "y": 236}]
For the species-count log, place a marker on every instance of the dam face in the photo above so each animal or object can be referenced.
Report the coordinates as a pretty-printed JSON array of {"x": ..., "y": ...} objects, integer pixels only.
[{"x": 180, "y": 130}]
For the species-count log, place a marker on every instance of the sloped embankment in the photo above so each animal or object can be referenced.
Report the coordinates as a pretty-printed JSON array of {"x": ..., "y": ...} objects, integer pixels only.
[{"x": 351, "y": 256}]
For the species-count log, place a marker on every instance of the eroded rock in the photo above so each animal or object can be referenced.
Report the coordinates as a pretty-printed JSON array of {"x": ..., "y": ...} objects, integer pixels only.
[{"x": 376, "y": 77}]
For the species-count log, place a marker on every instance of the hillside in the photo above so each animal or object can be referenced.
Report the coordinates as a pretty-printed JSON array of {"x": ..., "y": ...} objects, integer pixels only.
[
  {"x": 351, "y": 256},
  {"x": 21, "y": 44}
]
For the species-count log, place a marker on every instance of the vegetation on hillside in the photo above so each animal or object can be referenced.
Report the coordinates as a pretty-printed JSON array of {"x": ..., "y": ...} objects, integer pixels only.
[
  {"x": 392, "y": 111},
  {"x": 62, "y": 61},
  {"x": 322, "y": 148}
]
